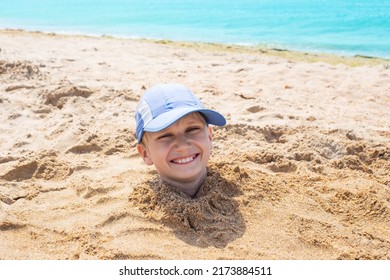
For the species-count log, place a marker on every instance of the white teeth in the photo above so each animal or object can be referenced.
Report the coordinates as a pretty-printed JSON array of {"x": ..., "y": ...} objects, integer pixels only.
[{"x": 184, "y": 160}]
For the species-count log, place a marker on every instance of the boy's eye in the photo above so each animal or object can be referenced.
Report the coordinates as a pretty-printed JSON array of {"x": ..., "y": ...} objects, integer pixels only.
[
  {"x": 193, "y": 129},
  {"x": 164, "y": 136}
]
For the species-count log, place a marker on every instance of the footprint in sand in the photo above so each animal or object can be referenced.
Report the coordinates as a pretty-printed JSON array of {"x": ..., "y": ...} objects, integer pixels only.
[
  {"x": 62, "y": 94},
  {"x": 45, "y": 168},
  {"x": 255, "y": 109}
]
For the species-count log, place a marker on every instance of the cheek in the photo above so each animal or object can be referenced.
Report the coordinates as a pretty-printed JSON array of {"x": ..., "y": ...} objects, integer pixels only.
[
  {"x": 208, "y": 145},
  {"x": 160, "y": 153}
]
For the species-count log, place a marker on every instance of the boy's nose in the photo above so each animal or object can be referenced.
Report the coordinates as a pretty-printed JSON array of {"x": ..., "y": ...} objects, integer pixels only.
[{"x": 182, "y": 142}]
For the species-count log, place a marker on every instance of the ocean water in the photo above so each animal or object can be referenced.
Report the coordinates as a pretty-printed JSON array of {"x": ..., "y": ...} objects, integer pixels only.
[{"x": 346, "y": 27}]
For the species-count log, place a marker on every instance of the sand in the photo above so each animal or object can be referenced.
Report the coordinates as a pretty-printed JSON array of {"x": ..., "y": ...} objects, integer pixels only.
[{"x": 301, "y": 170}]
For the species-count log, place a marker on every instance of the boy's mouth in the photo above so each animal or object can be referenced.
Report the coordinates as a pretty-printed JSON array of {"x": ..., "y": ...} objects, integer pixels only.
[{"x": 185, "y": 160}]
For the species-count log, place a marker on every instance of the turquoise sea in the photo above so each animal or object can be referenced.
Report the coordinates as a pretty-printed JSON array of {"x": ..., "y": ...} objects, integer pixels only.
[{"x": 346, "y": 27}]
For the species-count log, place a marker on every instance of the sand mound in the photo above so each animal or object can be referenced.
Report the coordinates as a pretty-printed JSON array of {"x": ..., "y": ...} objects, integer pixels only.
[
  {"x": 19, "y": 70},
  {"x": 212, "y": 218},
  {"x": 47, "y": 167}
]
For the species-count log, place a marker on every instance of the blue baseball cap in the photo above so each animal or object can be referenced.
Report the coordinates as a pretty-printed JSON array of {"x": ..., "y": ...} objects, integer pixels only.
[{"x": 164, "y": 104}]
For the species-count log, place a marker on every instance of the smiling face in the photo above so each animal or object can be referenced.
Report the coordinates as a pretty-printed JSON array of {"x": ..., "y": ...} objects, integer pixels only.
[{"x": 181, "y": 151}]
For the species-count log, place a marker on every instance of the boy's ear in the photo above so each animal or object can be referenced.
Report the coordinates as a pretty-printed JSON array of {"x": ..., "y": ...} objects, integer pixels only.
[{"x": 143, "y": 152}]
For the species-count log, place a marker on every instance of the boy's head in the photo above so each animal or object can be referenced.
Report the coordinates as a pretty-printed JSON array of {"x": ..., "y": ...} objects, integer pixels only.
[
  {"x": 164, "y": 104},
  {"x": 173, "y": 133}
]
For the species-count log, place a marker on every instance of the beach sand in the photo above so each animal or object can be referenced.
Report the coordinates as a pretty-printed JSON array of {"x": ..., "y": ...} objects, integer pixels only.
[{"x": 301, "y": 170}]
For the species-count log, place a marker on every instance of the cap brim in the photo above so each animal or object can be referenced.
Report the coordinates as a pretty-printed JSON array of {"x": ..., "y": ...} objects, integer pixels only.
[{"x": 166, "y": 119}]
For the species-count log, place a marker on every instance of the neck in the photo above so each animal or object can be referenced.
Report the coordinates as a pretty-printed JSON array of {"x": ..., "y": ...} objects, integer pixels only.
[{"x": 190, "y": 188}]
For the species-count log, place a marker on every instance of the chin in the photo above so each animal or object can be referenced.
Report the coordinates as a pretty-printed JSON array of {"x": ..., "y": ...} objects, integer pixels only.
[{"x": 188, "y": 177}]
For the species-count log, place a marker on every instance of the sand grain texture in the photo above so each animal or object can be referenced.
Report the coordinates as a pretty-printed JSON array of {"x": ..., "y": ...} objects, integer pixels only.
[{"x": 301, "y": 170}]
